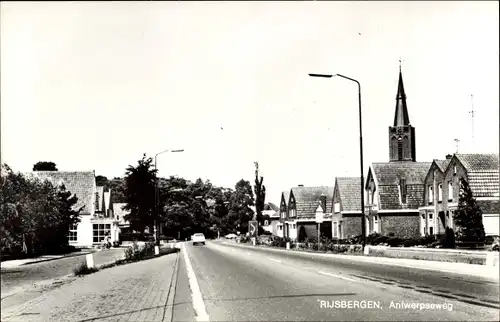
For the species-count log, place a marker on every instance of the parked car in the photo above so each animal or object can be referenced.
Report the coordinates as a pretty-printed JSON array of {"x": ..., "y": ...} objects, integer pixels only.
[
  {"x": 231, "y": 236},
  {"x": 198, "y": 238}
]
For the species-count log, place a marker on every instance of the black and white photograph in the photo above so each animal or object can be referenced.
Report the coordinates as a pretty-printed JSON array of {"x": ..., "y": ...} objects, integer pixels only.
[{"x": 249, "y": 161}]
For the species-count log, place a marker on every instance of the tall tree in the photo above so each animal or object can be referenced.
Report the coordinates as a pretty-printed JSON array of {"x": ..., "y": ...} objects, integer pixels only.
[
  {"x": 240, "y": 212},
  {"x": 45, "y": 166},
  {"x": 102, "y": 181},
  {"x": 469, "y": 216},
  {"x": 260, "y": 194},
  {"x": 140, "y": 194}
]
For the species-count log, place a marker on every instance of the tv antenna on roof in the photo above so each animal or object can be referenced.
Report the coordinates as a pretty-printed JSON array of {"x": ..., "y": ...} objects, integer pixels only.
[{"x": 457, "y": 141}]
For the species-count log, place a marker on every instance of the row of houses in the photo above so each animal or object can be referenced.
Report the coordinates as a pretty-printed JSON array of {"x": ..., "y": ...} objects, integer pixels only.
[{"x": 402, "y": 197}]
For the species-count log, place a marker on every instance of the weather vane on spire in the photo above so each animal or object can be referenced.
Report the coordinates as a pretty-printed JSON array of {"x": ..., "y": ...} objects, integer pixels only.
[{"x": 400, "y": 61}]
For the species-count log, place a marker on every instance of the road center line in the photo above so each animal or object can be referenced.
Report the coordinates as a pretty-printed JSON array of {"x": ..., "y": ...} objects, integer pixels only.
[
  {"x": 198, "y": 304},
  {"x": 338, "y": 276},
  {"x": 275, "y": 260}
]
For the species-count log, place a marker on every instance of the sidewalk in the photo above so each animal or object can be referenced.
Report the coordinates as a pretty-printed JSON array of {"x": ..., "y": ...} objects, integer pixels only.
[
  {"x": 134, "y": 292},
  {"x": 45, "y": 258},
  {"x": 490, "y": 272}
]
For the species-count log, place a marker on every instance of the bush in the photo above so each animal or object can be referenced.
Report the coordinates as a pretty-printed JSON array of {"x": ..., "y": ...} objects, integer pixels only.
[
  {"x": 83, "y": 269},
  {"x": 135, "y": 252},
  {"x": 394, "y": 241},
  {"x": 448, "y": 240}
]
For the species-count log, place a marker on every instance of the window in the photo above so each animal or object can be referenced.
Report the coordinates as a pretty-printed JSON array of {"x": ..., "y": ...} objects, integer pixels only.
[
  {"x": 450, "y": 191},
  {"x": 431, "y": 195},
  {"x": 100, "y": 231},
  {"x": 337, "y": 207},
  {"x": 454, "y": 170},
  {"x": 281, "y": 227},
  {"x": 335, "y": 229},
  {"x": 440, "y": 192},
  {"x": 266, "y": 222},
  {"x": 430, "y": 216},
  {"x": 73, "y": 233},
  {"x": 431, "y": 230},
  {"x": 402, "y": 186},
  {"x": 406, "y": 147},
  {"x": 294, "y": 226},
  {"x": 400, "y": 149}
]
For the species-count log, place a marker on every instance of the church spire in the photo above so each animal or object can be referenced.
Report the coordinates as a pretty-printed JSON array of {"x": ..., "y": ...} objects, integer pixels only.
[{"x": 401, "y": 117}]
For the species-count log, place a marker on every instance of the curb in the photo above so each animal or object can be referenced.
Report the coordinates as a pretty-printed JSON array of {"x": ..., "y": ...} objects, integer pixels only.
[
  {"x": 372, "y": 259},
  {"x": 55, "y": 258}
]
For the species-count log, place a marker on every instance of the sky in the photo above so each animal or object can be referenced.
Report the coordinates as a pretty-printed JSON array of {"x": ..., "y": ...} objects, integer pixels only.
[{"x": 95, "y": 85}]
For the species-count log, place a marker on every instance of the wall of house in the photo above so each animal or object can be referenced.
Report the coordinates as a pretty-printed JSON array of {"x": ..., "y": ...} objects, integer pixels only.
[
  {"x": 351, "y": 226},
  {"x": 84, "y": 232},
  {"x": 402, "y": 225},
  {"x": 491, "y": 224}
]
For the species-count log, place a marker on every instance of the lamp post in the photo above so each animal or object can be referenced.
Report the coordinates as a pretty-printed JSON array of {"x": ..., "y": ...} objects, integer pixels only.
[
  {"x": 363, "y": 226},
  {"x": 157, "y": 194}
]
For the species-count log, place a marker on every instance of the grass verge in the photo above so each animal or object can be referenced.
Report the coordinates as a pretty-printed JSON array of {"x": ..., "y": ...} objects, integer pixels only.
[{"x": 82, "y": 269}]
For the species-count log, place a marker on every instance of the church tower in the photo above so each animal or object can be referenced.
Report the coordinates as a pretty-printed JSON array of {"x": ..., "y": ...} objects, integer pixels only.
[{"x": 401, "y": 134}]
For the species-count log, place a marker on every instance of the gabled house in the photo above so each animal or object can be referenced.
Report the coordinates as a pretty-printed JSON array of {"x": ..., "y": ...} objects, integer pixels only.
[
  {"x": 346, "y": 208},
  {"x": 394, "y": 189},
  {"x": 442, "y": 190},
  {"x": 92, "y": 228},
  {"x": 283, "y": 212},
  {"x": 432, "y": 217},
  {"x": 302, "y": 206}
]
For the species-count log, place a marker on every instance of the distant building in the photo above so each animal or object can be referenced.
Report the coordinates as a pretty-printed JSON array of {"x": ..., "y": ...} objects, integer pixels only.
[
  {"x": 271, "y": 218},
  {"x": 394, "y": 189},
  {"x": 442, "y": 189}
]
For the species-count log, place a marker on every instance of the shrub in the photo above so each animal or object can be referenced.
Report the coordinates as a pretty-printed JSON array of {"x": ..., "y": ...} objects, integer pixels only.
[
  {"x": 83, "y": 269},
  {"x": 394, "y": 241},
  {"x": 135, "y": 253}
]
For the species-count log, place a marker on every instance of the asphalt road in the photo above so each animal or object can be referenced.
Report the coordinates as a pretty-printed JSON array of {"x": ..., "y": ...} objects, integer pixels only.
[
  {"x": 240, "y": 284},
  {"x": 25, "y": 279}
]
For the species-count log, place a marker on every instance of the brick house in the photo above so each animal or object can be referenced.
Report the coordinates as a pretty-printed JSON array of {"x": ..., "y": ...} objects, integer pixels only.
[
  {"x": 93, "y": 227},
  {"x": 394, "y": 189},
  {"x": 346, "y": 208},
  {"x": 442, "y": 189},
  {"x": 301, "y": 208}
]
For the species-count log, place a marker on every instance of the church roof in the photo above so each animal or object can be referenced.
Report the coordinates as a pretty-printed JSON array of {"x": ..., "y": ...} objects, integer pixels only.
[
  {"x": 388, "y": 176},
  {"x": 401, "y": 117}
]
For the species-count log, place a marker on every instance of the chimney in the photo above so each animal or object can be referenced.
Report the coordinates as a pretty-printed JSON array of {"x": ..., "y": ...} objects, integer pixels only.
[
  {"x": 448, "y": 156},
  {"x": 300, "y": 185},
  {"x": 323, "y": 201}
]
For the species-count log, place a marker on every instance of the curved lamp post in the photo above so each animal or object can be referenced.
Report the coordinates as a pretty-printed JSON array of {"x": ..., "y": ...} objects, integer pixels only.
[
  {"x": 363, "y": 227},
  {"x": 157, "y": 194}
]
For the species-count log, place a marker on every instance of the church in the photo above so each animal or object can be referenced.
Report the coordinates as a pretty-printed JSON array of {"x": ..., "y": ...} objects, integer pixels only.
[{"x": 394, "y": 190}]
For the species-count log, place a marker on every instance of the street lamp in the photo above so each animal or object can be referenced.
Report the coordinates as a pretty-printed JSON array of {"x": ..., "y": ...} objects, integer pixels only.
[
  {"x": 157, "y": 195},
  {"x": 363, "y": 226}
]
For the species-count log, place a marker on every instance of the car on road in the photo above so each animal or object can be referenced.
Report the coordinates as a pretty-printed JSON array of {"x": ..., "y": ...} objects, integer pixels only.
[
  {"x": 231, "y": 236},
  {"x": 198, "y": 238}
]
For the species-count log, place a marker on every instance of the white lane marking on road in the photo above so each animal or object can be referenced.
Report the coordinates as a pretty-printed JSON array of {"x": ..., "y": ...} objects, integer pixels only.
[
  {"x": 275, "y": 260},
  {"x": 198, "y": 304},
  {"x": 338, "y": 276}
]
